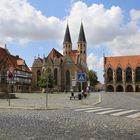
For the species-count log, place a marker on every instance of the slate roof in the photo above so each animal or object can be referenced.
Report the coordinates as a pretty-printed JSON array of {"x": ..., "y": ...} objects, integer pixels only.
[
  {"x": 67, "y": 37},
  {"x": 82, "y": 37}
]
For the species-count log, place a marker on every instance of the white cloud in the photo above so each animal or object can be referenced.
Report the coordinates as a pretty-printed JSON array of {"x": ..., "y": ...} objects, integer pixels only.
[
  {"x": 22, "y": 22},
  {"x": 135, "y": 15},
  {"x": 93, "y": 61}
]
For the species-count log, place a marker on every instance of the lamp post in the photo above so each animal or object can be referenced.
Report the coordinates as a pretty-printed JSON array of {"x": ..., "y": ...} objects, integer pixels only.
[
  {"x": 47, "y": 91},
  {"x": 10, "y": 74}
]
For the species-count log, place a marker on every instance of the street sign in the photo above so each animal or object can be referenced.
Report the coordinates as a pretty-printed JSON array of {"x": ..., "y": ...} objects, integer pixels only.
[
  {"x": 81, "y": 77},
  {"x": 73, "y": 83}
]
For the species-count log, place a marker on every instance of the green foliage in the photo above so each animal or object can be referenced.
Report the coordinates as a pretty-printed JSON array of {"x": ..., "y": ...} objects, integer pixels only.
[
  {"x": 92, "y": 75},
  {"x": 45, "y": 78}
]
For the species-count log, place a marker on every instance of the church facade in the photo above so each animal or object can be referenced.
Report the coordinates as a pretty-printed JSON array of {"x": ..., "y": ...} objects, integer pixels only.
[
  {"x": 122, "y": 73},
  {"x": 64, "y": 67}
]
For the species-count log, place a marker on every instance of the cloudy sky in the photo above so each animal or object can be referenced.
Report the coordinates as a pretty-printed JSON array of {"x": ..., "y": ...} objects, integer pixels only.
[{"x": 33, "y": 27}]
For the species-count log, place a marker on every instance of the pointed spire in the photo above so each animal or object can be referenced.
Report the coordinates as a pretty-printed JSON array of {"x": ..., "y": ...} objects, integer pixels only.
[
  {"x": 81, "y": 34},
  {"x": 67, "y": 37}
]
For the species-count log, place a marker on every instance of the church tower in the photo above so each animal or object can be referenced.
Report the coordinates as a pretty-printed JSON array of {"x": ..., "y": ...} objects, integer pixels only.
[
  {"x": 82, "y": 45},
  {"x": 67, "y": 45}
]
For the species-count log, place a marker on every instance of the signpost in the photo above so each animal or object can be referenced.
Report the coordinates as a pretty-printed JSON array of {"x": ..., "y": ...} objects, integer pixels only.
[{"x": 81, "y": 77}]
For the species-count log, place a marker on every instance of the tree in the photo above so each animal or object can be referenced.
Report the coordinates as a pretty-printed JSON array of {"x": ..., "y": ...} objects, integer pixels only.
[
  {"x": 45, "y": 78},
  {"x": 92, "y": 75}
]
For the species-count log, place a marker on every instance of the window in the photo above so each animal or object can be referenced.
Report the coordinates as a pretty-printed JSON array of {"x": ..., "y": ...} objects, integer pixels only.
[
  {"x": 128, "y": 75},
  {"x": 137, "y": 75},
  {"x": 109, "y": 75},
  {"x": 119, "y": 75},
  {"x": 38, "y": 75},
  {"x": 55, "y": 76},
  {"x": 67, "y": 78}
]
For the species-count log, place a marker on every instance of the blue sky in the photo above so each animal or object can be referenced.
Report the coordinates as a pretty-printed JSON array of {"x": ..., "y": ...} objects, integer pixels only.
[{"x": 34, "y": 27}]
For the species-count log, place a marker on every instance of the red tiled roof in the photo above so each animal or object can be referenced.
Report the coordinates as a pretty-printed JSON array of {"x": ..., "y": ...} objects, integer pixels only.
[
  {"x": 74, "y": 54},
  {"x": 123, "y": 61},
  {"x": 12, "y": 61}
]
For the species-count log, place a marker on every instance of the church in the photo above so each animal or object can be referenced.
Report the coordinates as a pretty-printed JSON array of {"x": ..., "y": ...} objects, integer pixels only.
[{"x": 64, "y": 67}]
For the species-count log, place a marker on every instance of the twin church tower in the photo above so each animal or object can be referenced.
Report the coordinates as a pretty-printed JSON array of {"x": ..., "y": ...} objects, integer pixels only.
[
  {"x": 63, "y": 67},
  {"x": 82, "y": 45}
]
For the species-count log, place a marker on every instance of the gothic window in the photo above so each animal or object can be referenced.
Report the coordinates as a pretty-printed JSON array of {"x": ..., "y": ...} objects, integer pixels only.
[
  {"x": 119, "y": 75},
  {"x": 55, "y": 75},
  {"x": 128, "y": 75},
  {"x": 38, "y": 75},
  {"x": 109, "y": 75},
  {"x": 67, "y": 78},
  {"x": 138, "y": 74}
]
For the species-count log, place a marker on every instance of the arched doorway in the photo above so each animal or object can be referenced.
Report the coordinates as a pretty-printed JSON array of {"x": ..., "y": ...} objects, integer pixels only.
[
  {"x": 110, "y": 88},
  {"x": 119, "y": 88},
  {"x": 129, "y": 88},
  {"x": 128, "y": 75},
  {"x": 67, "y": 80},
  {"x": 109, "y": 75},
  {"x": 119, "y": 75}
]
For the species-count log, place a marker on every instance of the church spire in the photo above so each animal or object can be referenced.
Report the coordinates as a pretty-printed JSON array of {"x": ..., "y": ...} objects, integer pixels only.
[
  {"x": 82, "y": 37},
  {"x": 67, "y": 45},
  {"x": 67, "y": 37}
]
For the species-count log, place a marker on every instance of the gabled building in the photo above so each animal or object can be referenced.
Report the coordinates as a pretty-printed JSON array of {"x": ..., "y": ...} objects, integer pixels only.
[
  {"x": 64, "y": 67},
  {"x": 15, "y": 76},
  {"x": 122, "y": 73}
]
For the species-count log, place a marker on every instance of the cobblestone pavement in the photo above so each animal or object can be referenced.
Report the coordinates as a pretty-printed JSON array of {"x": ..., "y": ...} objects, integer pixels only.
[
  {"x": 38, "y": 101},
  {"x": 121, "y": 100},
  {"x": 65, "y": 124}
]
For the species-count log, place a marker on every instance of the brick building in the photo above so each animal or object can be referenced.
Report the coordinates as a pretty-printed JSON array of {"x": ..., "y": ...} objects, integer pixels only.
[
  {"x": 15, "y": 76},
  {"x": 122, "y": 73},
  {"x": 64, "y": 67}
]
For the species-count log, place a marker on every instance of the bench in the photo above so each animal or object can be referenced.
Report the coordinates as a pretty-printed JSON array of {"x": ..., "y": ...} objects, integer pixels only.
[{"x": 73, "y": 96}]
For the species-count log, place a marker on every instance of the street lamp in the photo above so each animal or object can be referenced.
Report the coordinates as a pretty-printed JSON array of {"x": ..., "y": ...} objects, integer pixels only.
[{"x": 47, "y": 91}]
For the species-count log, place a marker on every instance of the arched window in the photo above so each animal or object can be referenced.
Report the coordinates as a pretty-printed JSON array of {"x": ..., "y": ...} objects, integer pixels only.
[
  {"x": 137, "y": 74},
  {"x": 67, "y": 78},
  {"x": 109, "y": 75},
  {"x": 119, "y": 75},
  {"x": 128, "y": 75},
  {"x": 38, "y": 75},
  {"x": 55, "y": 76}
]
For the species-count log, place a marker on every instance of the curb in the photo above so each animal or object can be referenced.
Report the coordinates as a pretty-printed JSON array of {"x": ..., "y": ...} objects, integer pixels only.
[{"x": 28, "y": 108}]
